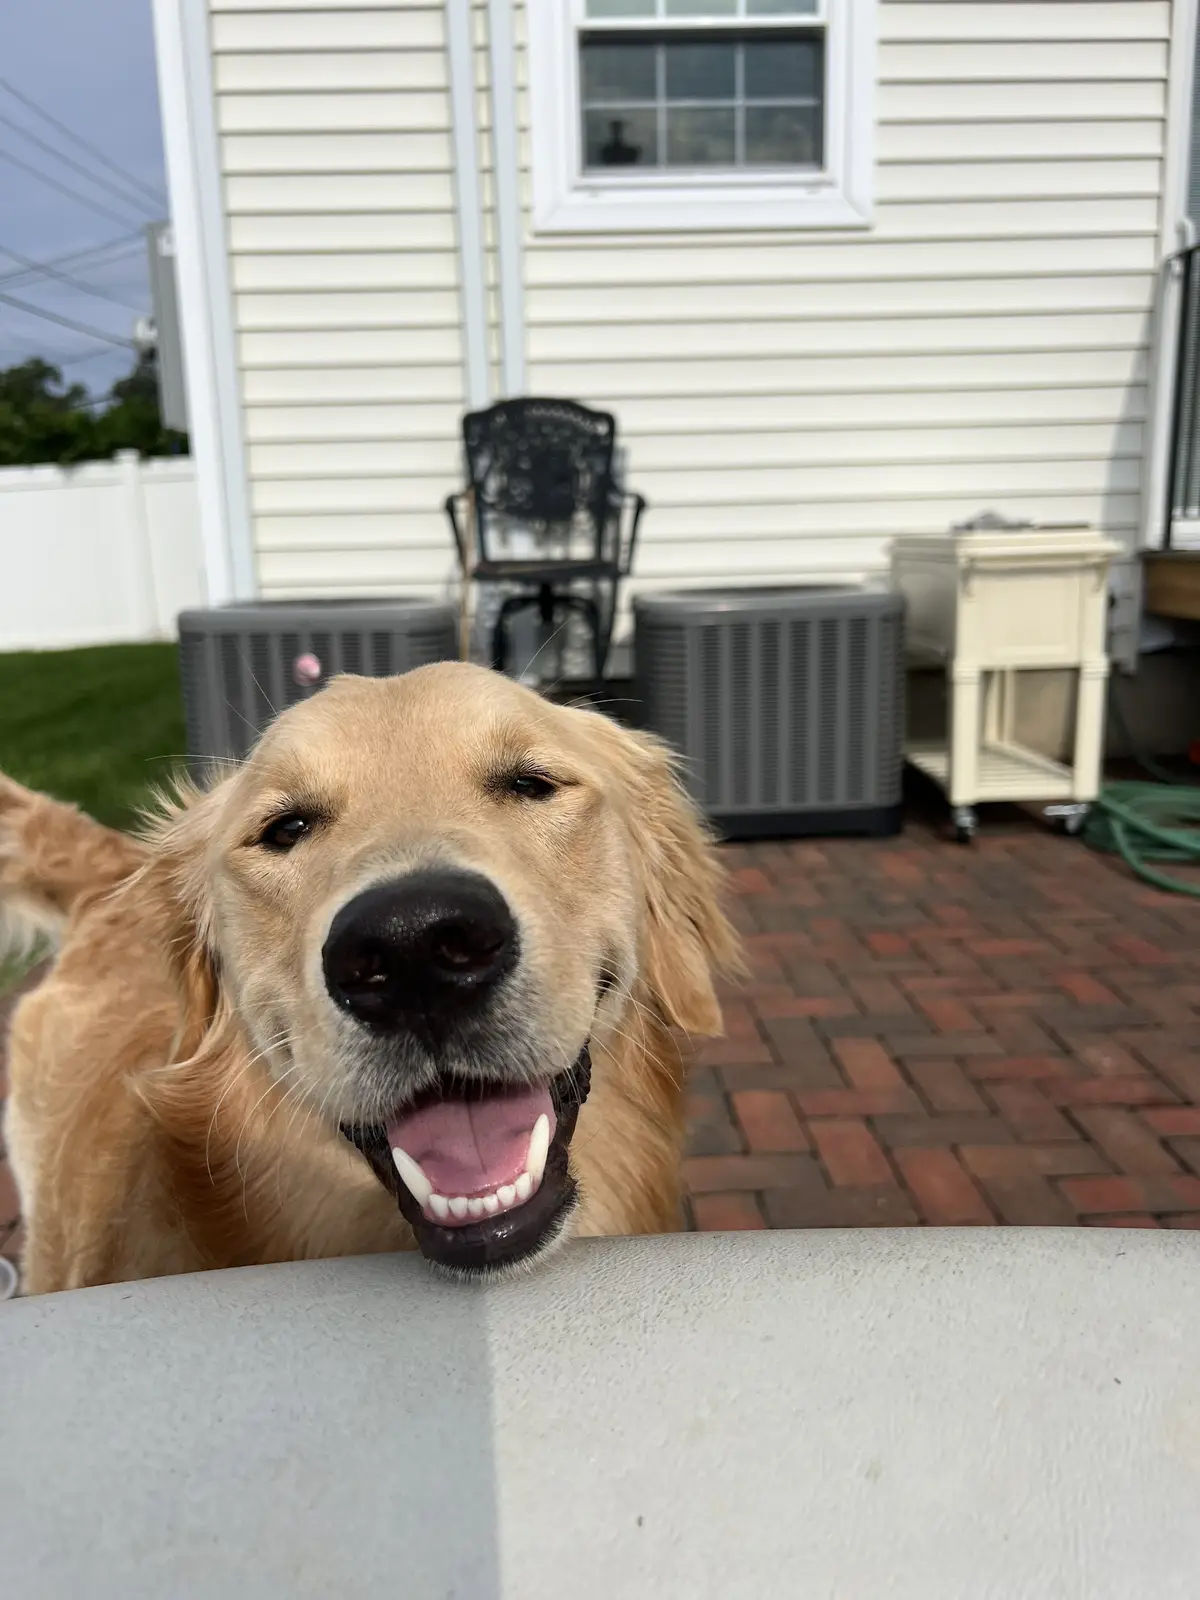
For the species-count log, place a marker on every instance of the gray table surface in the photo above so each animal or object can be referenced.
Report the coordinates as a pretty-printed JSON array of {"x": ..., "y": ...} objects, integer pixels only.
[{"x": 869, "y": 1415}]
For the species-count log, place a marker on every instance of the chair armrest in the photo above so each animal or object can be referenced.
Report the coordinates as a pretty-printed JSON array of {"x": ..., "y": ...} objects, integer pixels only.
[
  {"x": 453, "y": 503},
  {"x": 625, "y": 501}
]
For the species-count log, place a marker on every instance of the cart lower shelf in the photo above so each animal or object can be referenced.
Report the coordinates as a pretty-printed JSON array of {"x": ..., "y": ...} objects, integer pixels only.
[{"x": 1003, "y": 772}]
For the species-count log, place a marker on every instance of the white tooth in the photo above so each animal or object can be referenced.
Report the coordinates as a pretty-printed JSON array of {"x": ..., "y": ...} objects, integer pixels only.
[
  {"x": 524, "y": 1186},
  {"x": 490, "y": 1204},
  {"x": 506, "y": 1195},
  {"x": 439, "y": 1205},
  {"x": 458, "y": 1207},
  {"x": 539, "y": 1147},
  {"x": 475, "y": 1208},
  {"x": 411, "y": 1176}
]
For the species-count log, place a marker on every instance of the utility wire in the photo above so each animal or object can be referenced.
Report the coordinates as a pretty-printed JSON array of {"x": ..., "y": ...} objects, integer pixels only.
[
  {"x": 77, "y": 166},
  {"x": 62, "y": 188},
  {"x": 96, "y": 155},
  {"x": 76, "y": 360},
  {"x": 31, "y": 277},
  {"x": 92, "y": 400},
  {"x": 66, "y": 322},
  {"x": 71, "y": 280},
  {"x": 34, "y": 353},
  {"x": 126, "y": 243}
]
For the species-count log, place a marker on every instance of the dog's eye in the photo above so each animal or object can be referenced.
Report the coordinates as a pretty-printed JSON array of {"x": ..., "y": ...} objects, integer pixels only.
[
  {"x": 531, "y": 786},
  {"x": 284, "y": 832}
]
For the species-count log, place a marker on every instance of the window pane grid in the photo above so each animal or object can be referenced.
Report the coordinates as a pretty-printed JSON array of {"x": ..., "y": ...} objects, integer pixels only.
[
  {"x": 742, "y": 129},
  {"x": 739, "y": 124},
  {"x": 695, "y": 105},
  {"x": 706, "y": 11},
  {"x": 660, "y": 71}
]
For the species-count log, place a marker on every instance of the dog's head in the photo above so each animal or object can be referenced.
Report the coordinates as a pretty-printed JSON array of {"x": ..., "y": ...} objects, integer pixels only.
[{"x": 427, "y": 900}]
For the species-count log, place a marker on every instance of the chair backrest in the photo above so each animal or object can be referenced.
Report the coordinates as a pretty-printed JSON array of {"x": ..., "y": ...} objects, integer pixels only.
[{"x": 543, "y": 465}]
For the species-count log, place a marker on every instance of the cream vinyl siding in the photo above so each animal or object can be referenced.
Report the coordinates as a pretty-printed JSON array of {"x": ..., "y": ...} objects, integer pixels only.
[
  {"x": 789, "y": 401},
  {"x": 337, "y": 158}
]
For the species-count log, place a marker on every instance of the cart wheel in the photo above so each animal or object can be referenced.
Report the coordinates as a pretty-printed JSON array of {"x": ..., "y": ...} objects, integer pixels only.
[
  {"x": 1069, "y": 819},
  {"x": 966, "y": 824}
]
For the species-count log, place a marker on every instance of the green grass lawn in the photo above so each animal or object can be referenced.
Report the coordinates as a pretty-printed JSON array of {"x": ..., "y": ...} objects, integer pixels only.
[{"x": 96, "y": 726}]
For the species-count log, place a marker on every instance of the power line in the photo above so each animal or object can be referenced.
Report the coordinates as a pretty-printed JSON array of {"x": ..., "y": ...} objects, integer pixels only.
[
  {"x": 29, "y": 277},
  {"x": 124, "y": 245},
  {"x": 38, "y": 353},
  {"x": 78, "y": 166},
  {"x": 74, "y": 361},
  {"x": 71, "y": 280},
  {"x": 92, "y": 400},
  {"x": 67, "y": 322},
  {"x": 32, "y": 276},
  {"x": 62, "y": 188},
  {"x": 96, "y": 155}
]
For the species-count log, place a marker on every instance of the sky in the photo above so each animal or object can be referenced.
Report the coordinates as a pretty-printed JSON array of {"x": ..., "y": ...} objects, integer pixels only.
[{"x": 90, "y": 65}]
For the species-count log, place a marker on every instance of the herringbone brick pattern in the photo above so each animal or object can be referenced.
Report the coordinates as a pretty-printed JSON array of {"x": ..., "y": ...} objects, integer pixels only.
[{"x": 1003, "y": 1034}]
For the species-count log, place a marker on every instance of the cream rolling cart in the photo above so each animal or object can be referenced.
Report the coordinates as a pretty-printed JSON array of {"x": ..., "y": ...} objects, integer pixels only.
[{"x": 992, "y": 601}]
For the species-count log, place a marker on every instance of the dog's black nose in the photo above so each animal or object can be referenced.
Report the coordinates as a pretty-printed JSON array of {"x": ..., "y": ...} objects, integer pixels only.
[{"x": 415, "y": 952}]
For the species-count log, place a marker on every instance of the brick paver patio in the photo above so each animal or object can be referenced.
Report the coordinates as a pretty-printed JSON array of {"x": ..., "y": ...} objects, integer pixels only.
[
  {"x": 1003, "y": 1034},
  {"x": 1008, "y": 1033}
]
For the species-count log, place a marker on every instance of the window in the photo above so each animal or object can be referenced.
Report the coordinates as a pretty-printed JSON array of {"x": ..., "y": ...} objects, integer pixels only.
[{"x": 699, "y": 114}]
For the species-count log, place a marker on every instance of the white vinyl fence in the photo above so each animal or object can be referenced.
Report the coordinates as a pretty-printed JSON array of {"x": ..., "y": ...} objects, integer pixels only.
[{"x": 101, "y": 553}]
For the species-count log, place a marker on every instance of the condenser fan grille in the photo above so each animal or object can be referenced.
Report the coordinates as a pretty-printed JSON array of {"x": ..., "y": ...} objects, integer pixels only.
[
  {"x": 784, "y": 703},
  {"x": 240, "y": 665}
]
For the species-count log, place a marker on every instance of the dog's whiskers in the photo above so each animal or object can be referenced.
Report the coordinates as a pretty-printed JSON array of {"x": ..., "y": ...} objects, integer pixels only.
[
  {"x": 272, "y": 1085},
  {"x": 244, "y": 1067},
  {"x": 642, "y": 1048}
]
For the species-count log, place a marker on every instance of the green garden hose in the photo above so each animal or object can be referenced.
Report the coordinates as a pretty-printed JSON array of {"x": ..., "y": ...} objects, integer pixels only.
[{"x": 1145, "y": 822}]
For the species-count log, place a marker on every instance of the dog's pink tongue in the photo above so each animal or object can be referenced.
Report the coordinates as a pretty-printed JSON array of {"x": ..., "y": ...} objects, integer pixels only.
[{"x": 472, "y": 1147}]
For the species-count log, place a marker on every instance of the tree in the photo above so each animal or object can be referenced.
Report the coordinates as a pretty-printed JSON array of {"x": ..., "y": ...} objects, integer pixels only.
[
  {"x": 132, "y": 421},
  {"x": 42, "y": 419}
]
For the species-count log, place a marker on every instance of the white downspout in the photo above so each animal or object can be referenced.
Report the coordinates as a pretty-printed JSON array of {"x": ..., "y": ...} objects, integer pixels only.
[
  {"x": 508, "y": 195},
  {"x": 185, "y": 83},
  {"x": 461, "y": 52},
  {"x": 1175, "y": 233}
]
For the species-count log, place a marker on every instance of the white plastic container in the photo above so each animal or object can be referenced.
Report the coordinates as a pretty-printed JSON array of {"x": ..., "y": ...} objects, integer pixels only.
[{"x": 990, "y": 604}]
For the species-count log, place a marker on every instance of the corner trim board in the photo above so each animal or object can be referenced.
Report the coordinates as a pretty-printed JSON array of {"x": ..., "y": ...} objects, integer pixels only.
[{"x": 186, "y": 95}]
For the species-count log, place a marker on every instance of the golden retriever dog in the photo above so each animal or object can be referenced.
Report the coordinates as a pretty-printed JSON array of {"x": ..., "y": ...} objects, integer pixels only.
[{"x": 413, "y": 974}]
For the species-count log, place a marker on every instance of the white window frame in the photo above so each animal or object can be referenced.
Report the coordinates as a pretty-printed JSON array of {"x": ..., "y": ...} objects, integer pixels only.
[{"x": 568, "y": 200}]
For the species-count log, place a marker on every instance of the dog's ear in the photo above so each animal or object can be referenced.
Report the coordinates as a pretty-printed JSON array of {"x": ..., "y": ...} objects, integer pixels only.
[
  {"x": 173, "y": 889},
  {"x": 687, "y": 940}
]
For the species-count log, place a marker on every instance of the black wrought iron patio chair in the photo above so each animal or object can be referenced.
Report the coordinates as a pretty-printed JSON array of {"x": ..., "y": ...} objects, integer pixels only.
[{"x": 542, "y": 512}]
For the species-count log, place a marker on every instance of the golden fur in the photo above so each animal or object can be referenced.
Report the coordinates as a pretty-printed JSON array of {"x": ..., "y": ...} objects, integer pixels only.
[{"x": 177, "y": 1080}]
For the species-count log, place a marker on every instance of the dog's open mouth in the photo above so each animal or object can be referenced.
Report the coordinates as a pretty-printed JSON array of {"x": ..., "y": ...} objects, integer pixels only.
[{"x": 481, "y": 1170}]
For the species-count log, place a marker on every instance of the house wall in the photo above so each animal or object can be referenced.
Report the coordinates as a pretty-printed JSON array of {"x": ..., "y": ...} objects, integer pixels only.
[
  {"x": 797, "y": 400},
  {"x": 789, "y": 401},
  {"x": 336, "y": 148}
]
